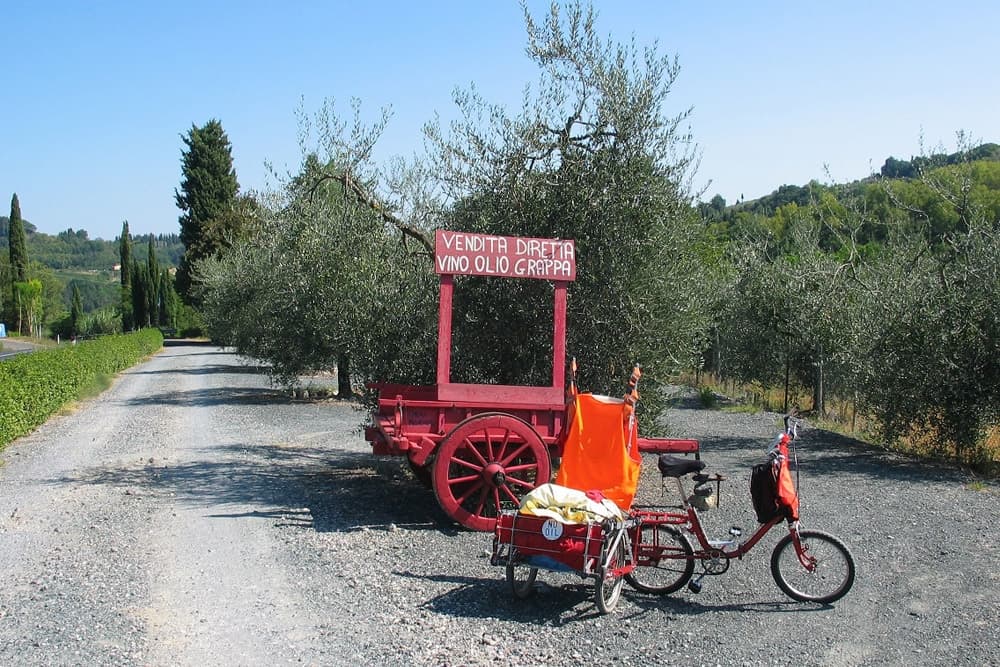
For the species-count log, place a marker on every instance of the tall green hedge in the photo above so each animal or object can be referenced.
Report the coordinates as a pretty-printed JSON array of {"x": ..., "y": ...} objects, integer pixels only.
[{"x": 33, "y": 386}]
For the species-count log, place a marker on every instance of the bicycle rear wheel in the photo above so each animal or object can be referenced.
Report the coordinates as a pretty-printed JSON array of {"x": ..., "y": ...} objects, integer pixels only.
[
  {"x": 664, "y": 562},
  {"x": 830, "y": 579},
  {"x": 520, "y": 577}
]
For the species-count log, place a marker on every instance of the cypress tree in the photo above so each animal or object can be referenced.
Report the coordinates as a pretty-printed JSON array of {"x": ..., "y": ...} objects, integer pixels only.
[
  {"x": 125, "y": 255},
  {"x": 18, "y": 244},
  {"x": 206, "y": 197},
  {"x": 76, "y": 313},
  {"x": 125, "y": 258},
  {"x": 18, "y": 247},
  {"x": 167, "y": 298},
  {"x": 153, "y": 287},
  {"x": 140, "y": 317}
]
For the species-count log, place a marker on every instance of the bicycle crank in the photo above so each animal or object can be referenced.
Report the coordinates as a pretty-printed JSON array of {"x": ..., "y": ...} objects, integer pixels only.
[{"x": 717, "y": 563}]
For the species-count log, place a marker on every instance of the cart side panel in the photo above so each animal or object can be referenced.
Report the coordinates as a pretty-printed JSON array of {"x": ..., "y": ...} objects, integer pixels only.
[
  {"x": 577, "y": 548},
  {"x": 412, "y": 420}
]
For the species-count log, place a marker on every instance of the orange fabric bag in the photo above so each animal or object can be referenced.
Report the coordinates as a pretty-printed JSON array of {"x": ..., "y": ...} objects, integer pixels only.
[
  {"x": 601, "y": 451},
  {"x": 788, "y": 499}
]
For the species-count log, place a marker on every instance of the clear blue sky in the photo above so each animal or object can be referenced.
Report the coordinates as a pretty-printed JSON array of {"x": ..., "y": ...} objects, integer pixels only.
[{"x": 97, "y": 94}]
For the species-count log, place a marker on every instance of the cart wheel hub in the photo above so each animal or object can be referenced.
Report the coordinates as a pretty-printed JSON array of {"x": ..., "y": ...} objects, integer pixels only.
[{"x": 495, "y": 474}]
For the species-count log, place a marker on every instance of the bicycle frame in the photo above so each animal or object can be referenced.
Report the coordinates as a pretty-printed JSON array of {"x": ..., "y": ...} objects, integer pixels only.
[{"x": 707, "y": 549}]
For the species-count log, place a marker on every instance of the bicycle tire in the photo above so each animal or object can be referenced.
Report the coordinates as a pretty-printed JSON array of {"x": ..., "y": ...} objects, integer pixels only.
[
  {"x": 665, "y": 564},
  {"x": 520, "y": 578},
  {"x": 830, "y": 581},
  {"x": 608, "y": 588}
]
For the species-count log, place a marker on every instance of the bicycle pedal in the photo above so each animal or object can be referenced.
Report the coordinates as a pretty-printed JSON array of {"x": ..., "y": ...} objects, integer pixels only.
[{"x": 694, "y": 586}]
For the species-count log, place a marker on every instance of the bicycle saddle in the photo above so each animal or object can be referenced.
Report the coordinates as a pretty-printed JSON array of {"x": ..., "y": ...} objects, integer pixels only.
[{"x": 675, "y": 466}]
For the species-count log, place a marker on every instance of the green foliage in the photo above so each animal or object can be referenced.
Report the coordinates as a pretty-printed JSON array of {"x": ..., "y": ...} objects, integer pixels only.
[
  {"x": 74, "y": 250},
  {"x": 34, "y": 386},
  {"x": 913, "y": 168},
  {"x": 28, "y": 305},
  {"x": 96, "y": 290},
  {"x": 187, "y": 321},
  {"x": 140, "y": 294},
  {"x": 18, "y": 255},
  {"x": 930, "y": 338},
  {"x": 324, "y": 272},
  {"x": 207, "y": 197},
  {"x": 103, "y": 322},
  {"x": 707, "y": 398}
]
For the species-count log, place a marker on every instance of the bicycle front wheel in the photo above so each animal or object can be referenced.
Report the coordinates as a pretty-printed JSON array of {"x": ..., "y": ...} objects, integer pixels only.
[
  {"x": 664, "y": 561},
  {"x": 831, "y": 572},
  {"x": 608, "y": 588}
]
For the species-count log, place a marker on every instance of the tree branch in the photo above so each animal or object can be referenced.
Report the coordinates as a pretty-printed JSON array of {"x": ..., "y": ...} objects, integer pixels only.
[{"x": 362, "y": 196}]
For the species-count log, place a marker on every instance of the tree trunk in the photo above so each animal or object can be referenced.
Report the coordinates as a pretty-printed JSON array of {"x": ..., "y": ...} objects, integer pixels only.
[
  {"x": 819, "y": 399},
  {"x": 788, "y": 372},
  {"x": 344, "y": 377},
  {"x": 716, "y": 353}
]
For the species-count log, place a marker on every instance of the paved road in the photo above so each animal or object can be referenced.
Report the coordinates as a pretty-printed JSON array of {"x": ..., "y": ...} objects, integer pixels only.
[{"x": 13, "y": 347}]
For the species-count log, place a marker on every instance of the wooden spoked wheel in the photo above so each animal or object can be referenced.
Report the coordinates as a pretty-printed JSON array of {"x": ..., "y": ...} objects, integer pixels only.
[{"x": 485, "y": 465}]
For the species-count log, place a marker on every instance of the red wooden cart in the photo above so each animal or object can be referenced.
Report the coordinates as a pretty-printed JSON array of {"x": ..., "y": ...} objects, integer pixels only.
[{"x": 482, "y": 447}]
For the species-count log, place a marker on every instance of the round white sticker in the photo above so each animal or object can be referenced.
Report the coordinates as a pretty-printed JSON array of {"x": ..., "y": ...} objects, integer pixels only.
[{"x": 552, "y": 529}]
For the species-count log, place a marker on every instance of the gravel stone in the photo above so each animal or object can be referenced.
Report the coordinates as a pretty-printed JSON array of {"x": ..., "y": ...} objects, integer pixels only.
[{"x": 195, "y": 515}]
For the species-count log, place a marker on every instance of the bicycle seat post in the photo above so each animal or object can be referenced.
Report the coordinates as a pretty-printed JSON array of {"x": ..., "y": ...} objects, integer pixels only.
[{"x": 680, "y": 492}]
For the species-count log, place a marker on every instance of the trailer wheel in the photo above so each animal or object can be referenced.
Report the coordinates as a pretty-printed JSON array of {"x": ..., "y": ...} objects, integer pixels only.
[{"x": 485, "y": 465}]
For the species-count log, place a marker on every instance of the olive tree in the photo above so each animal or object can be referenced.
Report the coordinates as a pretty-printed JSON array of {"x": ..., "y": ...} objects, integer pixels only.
[
  {"x": 594, "y": 154},
  {"x": 321, "y": 278},
  {"x": 929, "y": 352}
]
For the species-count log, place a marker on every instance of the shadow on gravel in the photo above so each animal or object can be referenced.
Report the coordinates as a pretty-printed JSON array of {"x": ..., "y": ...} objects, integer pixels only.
[
  {"x": 688, "y": 606},
  {"x": 187, "y": 342},
  {"x": 208, "y": 370},
  {"x": 214, "y": 397},
  {"x": 562, "y": 598},
  {"x": 554, "y": 603},
  {"x": 826, "y": 453},
  {"x": 292, "y": 486},
  {"x": 202, "y": 354}
]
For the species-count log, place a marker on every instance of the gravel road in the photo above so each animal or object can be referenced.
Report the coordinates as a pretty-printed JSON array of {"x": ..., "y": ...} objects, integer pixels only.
[{"x": 193, "y": 515}]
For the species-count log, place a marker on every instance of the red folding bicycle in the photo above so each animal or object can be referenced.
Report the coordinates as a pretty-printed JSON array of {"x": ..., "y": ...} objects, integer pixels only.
[{"x": 807, "y": 565}]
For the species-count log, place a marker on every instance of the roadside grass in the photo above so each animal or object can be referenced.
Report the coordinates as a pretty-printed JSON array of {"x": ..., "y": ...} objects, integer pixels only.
[{"x": 101, "y": 383}]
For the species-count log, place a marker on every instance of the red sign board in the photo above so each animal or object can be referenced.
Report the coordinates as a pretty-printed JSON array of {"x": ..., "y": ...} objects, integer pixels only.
[{"x": 467, "y": 254}]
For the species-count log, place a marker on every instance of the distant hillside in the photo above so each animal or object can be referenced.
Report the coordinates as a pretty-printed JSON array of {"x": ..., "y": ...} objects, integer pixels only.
[
  {"x": 74, "y": 250},
  {"x": 802, "y": 195},
  {"x": 894, "y": 168}
]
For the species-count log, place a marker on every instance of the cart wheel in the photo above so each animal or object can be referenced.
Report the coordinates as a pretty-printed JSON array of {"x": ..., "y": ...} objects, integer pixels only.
[
  {"x": 486, "y": 464},
  {"x": 608, "y": 588},
  {"x": 521, "y": 578}
]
